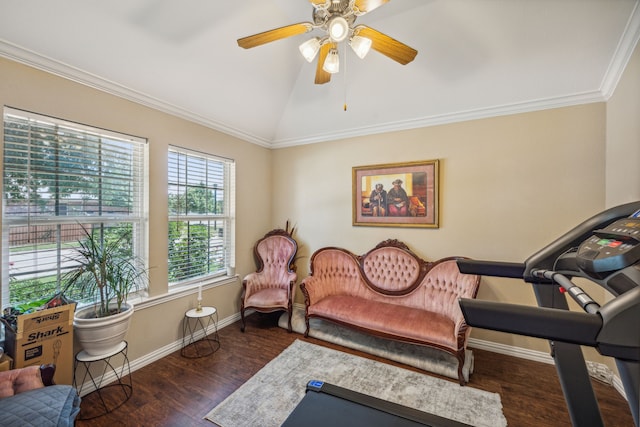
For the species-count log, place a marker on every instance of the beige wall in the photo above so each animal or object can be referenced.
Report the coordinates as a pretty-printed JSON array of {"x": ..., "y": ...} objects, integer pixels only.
[
  {"x": 623, "y": 136},
  {"x": 509, "y": 185},
  {"x": 158, "y": 325}
]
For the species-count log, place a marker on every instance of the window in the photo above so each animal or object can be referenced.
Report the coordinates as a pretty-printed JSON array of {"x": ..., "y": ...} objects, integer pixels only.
[
  {"x": 201, "y": 215},
  {"x": 61, "y": 177}
]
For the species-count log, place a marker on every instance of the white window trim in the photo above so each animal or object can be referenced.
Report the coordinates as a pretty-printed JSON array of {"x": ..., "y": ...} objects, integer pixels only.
[
  {"x": 142, "y": 219},
  {"x": 229, "y": 217}
]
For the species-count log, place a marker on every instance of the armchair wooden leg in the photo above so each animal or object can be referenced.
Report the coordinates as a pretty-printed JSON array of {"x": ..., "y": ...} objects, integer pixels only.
[
  {"x": 242, "y": 319},
  {"x": 290, "y": 313},
  {"x": 306, "y": 322},
  {"x": 461, "y": 358}
]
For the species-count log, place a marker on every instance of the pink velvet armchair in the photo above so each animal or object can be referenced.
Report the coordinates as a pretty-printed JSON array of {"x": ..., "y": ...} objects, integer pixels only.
[{"x": 270, "y": 288}]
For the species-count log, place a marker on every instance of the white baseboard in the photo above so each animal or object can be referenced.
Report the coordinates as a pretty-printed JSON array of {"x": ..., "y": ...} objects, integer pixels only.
[{"x": 598, "y": 371}]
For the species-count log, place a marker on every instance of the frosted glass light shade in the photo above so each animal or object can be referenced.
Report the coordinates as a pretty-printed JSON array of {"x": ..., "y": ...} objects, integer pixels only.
[
  {"x": 360, "y": 45},
  {"x": 332, "y": 62},
  {"x": 310, "y": 48}
]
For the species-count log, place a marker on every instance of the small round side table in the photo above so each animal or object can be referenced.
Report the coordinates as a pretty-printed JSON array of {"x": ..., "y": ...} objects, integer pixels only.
[
  {"x": 104, "y": 402},
  {"x": 196, "y": 323}
]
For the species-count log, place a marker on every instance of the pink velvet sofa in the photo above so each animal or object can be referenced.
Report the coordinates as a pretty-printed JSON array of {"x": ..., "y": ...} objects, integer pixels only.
[{"x": 392, "y": 293}]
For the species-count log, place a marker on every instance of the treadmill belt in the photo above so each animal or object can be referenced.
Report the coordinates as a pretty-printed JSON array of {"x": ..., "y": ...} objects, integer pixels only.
[{"x": 328, "y": 405}]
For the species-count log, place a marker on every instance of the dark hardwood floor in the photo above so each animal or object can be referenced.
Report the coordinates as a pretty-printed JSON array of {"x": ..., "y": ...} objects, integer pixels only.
[{"x": 176, "y": 391}]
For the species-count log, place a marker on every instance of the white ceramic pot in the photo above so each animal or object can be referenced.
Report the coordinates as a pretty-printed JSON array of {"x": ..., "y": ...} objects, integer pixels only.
[{"x": 101, "y": 336}]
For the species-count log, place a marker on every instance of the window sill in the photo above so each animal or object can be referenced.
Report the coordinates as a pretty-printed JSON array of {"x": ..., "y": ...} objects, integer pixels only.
[{"x": 178, "y": 292}]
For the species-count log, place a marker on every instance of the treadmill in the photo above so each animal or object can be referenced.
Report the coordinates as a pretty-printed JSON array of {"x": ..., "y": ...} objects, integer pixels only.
[
  {"x": 328, "y": 405},
  {"x": 604, "y": 249}
]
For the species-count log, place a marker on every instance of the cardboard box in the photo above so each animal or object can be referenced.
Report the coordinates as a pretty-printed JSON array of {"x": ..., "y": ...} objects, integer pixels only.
[
  {"x": 44, "y": 337},
  {"x": 6, "y": 363}
]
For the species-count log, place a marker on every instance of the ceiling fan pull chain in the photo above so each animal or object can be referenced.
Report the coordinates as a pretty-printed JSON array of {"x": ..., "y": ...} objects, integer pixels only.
[{"x": 345, "y": 79}]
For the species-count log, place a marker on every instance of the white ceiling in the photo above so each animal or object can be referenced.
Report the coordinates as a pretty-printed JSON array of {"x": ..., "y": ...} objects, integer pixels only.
[{"x": 476, "y": 58}]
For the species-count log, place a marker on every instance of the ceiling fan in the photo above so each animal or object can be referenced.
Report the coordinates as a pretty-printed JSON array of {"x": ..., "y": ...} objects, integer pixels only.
[{"x": 336, "y": 18}]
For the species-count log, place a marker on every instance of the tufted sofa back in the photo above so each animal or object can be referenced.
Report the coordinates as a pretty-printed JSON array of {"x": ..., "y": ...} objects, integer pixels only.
[
  {"x": 392, "y": 270},
  {"x": 445, "y": 285},
  {"x": 336, "y": 270}
]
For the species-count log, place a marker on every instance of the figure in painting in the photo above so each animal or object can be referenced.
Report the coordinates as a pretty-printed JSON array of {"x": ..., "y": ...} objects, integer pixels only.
[
  {"x": 378, "y": 201},
  {"x": 398, "y": 200}
]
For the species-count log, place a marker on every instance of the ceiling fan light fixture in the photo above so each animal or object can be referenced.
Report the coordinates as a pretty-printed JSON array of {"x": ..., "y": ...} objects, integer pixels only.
[
  {"x": 310, "y": 48},
  {"x": 360, "y": 45},
  {"x": 332, "y": 62},
  {"x": 338, "y": 29}
]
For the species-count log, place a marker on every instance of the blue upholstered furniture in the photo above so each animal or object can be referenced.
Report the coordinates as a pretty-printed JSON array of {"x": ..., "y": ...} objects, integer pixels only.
[{"x": 29, "y": 399}]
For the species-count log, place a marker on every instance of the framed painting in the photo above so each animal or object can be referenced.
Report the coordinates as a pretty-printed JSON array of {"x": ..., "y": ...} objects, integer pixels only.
[{"x": 396, "y": 195}]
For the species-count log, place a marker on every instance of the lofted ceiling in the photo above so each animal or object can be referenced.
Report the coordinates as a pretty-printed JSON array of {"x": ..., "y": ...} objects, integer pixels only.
[{"x": 476, "y": 58}]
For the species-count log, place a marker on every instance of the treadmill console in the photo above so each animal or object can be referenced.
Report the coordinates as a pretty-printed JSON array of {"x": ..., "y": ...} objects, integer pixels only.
[{"x": 612, "y": 248}]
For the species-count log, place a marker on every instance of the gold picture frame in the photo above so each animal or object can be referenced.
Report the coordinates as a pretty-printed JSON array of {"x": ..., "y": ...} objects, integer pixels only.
[{"x": 397, "y": 194}]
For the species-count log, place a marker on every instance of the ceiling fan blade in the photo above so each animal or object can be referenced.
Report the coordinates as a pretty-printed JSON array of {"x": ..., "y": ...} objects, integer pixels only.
[
  {"x": 275, "y": 34},
  {"x": 365, "y": 6},
  {"x": 386, "y": 45},
  {"x": 316, "y": 3},
  {"x": 322, "y": 76}
]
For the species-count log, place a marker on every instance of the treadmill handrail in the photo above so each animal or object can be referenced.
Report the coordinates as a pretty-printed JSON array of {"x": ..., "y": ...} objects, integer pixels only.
[
  {"x": 577, "y": 293},
  {"x": 539, "y": 322},
  {"x": 491, "y": 268}
]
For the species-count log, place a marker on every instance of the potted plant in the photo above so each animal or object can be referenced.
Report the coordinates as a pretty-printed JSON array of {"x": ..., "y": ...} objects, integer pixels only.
[{"x": 105, "y": 272}]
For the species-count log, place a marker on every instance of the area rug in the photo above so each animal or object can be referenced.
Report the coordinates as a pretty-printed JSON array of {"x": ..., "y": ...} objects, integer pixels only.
[
  {"x": 421, "y": 357},
  {"x": 271, "y": 395}
]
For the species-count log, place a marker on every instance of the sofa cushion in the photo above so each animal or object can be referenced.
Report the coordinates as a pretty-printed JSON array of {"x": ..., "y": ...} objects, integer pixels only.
[
  {"x": 401, "y": 322},
  {"x": 268, "y": 297}
]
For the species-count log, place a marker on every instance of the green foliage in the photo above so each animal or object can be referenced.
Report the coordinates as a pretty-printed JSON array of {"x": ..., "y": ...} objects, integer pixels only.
[
  {"x": 190, "y": 254},
  {"x": 196, "y": 200},
  {"x": 106, "y": 270},
  {"x": 52, "y": 150},
  {"x": 188, "y": 250},
  {"x": 28, "y": 291}
]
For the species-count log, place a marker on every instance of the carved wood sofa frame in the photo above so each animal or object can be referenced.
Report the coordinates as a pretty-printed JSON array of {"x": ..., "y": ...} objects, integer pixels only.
[{"x": 392, "y": 293}]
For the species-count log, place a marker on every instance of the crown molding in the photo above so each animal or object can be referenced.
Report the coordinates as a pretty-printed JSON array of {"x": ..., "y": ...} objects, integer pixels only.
[
  {"x": 52, "y": 66},
  {"x": 460, "y": 116},
  {"x": 623, "y": 53}
]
